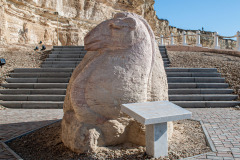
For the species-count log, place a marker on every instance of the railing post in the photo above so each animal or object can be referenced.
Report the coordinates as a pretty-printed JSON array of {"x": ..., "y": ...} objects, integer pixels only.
[
  {"x": 198, "y": 40},
  {"x": 162, "y": 42},
  {"x": 172, "y": 39},
  {"x": 238, "y": 41},
  {"x": 184, "y": 38},
  {"x": 216, "y": 45}
]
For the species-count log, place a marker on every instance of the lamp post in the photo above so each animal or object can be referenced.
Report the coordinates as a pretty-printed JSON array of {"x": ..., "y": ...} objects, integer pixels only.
[{"x": 56, "y": 13}]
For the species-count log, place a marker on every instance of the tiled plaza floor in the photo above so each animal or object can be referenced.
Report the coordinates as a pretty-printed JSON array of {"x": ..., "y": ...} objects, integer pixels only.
[{"x": 222, "y": 125}]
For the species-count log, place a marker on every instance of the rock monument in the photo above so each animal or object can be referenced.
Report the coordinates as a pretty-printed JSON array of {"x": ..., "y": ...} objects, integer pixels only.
[{"x": 122, "y": 65}]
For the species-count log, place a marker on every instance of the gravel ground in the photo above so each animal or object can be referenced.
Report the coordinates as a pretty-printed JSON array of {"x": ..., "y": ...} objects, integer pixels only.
[
  {"x": 188, "y": 140},
  {"x": 228, "y": 66},
  {"x": 20, "y": 57}
]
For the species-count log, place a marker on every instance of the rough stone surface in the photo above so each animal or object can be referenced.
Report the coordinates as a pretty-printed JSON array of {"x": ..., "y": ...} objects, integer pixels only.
[
  {"x": 122, "y": 65},
  {"x": 28, "y": 22}
]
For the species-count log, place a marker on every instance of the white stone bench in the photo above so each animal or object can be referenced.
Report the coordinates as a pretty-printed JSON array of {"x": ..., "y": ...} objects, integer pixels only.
[{"x": 155, "y": 116}]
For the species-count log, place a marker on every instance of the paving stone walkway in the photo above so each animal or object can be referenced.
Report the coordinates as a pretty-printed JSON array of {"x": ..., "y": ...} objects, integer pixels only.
[{"x": 222, "y": 125}]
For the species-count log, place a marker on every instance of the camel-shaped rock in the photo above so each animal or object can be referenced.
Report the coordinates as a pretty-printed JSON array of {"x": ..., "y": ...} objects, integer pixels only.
[{"x": 122, "y": 65}]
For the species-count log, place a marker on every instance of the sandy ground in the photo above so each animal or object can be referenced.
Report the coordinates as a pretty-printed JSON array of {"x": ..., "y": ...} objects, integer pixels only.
[
  {"x": 228, "y": 66},
  {"x": 188, "y": 140}
]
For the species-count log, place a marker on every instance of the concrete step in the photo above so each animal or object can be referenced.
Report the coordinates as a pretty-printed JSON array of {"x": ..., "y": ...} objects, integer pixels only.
[
  {"x": 161, "y": 46},
  {"x": 69, "y": 52},
  {"x": 32, "y": 70},
  {"x": 164, "y": 56},
  {"x": 206, "y": 104},
  {"x": 35, "y": 85},
  {"x": 199, "y": 91},
  {"x": 166, "y": 62},
  {"x": 59, "y": 65},
  {"x": 66, "y": 55},
  {"x": 33, "y": 91},
  {"x": 196, "y": 79},
  {"x": 32, "y": 97},
  {"x": 203, "y": 97},
  {"x": 197, "y": 85},
  {"x": 193, "y": 74},
  {"x": 61, "y": 62},
  {"x": 32, "y": 104},
  {"x": 191, "y": 69},
  {"x": 63, "y": 59},
  {"x": 68, "y": 47},
  {"x": 41, "y": 74},
  {"x": 37, "y": 80},
  {"x": 165, "y": 59},
  {"x": 166, "y": 65}
]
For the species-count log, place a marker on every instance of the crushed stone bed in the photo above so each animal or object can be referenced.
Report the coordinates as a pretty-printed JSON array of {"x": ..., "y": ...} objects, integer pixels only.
[{"x": 188, "y": 140}]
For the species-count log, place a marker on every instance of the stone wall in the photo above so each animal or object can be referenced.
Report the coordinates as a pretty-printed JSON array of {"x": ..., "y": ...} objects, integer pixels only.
[{"x": 29, "y": 21}]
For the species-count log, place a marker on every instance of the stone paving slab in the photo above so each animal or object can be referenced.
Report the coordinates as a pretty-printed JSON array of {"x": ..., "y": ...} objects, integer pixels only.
[{"x": 222, "y": 125}]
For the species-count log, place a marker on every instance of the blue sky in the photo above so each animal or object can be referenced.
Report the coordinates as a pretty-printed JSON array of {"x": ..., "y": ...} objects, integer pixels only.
[{"x": 222, "y": 16}]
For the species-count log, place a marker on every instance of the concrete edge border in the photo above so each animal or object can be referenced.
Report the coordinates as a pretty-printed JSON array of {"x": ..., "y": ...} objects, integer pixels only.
[
  {"x": 208, "y": 139},
  {"x": 4, "y": 143},
  {"x": 11, "y": 151}
]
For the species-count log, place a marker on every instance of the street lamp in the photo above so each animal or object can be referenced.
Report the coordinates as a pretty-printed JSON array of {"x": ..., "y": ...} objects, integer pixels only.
[{"x": 56, "y": 13}]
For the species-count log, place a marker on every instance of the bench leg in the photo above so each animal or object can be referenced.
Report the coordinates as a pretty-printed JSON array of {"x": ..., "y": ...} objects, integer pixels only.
[{"x": 157, "y": 140}]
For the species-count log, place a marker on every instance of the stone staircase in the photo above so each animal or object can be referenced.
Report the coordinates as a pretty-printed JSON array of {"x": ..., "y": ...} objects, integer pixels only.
[
  {"x": 45, "y": 87},
  {"x": 197, "y": 87}
]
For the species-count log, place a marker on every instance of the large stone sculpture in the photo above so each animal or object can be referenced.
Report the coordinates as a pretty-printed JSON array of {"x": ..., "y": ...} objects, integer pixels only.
[{"x": 122, "y": 65}]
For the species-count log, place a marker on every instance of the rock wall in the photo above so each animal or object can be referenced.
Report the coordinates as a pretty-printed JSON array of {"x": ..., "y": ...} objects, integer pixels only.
[{"x": 29, "y": 21}]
